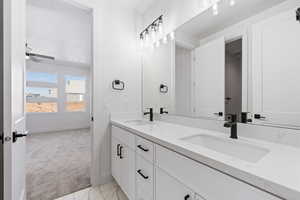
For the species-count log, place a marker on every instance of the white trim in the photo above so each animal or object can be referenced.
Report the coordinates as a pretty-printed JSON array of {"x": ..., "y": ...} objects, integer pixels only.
[{"x": 23, "y": 195}]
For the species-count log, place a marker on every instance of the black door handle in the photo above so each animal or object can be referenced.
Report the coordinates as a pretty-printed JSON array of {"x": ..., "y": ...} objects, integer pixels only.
[
  {"x": 118, "y": 150},
  {"x": 121, "y": 148},
  {"x": 142, "y": 175},
  {"x": 259, "y": 116},
  {"x": 187, "y": 197},
  {"x": 220, "y": 114},
  {"x": 142, "y": 148},
  {"x": 16, "y": 135}
]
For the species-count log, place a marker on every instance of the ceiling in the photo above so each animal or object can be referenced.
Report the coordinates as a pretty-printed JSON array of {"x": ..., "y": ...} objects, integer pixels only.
[
  {"x": 206, "y": 23},
  {"x": 140, "y": 6}
]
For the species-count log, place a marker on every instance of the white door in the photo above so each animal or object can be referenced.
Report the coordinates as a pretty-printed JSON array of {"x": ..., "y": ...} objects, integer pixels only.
[
  {"x": 14, "y": 115},
  {"x": 276, "y": 88},
  {"x": 209, "y": 78}
]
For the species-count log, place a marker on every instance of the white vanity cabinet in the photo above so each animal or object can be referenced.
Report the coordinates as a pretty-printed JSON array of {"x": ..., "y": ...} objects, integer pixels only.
[
  {"x": 205, "y": 181},
  {"x": 167, "y": 187},
  {"x": 148, "y": 171},
  {"x": 123, "y": 160}
]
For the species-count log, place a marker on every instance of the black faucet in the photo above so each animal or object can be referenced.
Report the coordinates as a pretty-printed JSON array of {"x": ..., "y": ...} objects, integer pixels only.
[
  {"x": 150, "y": 113},
  {"x": 162, "y": 111},
  {"x": 232, "y": 123}
]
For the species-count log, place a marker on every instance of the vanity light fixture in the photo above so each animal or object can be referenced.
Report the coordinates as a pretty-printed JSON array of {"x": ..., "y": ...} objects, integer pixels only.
[
  {"x": 160, "y": 26},
  {"x": 172, "y": 35},
  {"x": 215, "y": 8},
  {"x": 157, "y": 44},
  {"x": 152, "y": 31},
  {"x": 165, "y": 39},
  {"x": 231, "y": 2},
  {"x": 215, "y": 5}
]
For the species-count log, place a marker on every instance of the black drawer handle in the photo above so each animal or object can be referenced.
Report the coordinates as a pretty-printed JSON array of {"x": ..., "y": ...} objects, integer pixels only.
[
  {"x": 118, "y": 150},
  {"x": 142, "y": 148},
  {"x": 187, "y": 197},
  {"x": 142, "y": 175},
  {"x": 121, "y": 148}
]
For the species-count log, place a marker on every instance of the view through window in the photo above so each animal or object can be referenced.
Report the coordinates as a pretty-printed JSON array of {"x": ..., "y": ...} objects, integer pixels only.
[
  {"x": 41, "y": 92},
  {"x": 75, "y": 93},
  {"x": 43, "y": 96}
]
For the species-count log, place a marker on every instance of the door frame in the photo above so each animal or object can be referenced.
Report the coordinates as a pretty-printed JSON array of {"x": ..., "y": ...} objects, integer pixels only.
[
  {"x": 1, "y": 105},
  {"x": 245, "y": 63}
]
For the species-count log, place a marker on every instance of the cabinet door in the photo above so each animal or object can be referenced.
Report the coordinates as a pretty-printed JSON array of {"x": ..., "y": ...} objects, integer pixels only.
[
  {"x": 127, "y": 171},
  {"x": 115, "y": 160},
  {"x": 276, "y": 69},
  {"x": 209, "y": 78},
  {"x": 168, "y": 187}
]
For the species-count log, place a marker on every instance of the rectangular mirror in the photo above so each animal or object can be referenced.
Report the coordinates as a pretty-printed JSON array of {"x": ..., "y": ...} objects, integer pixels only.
[{"x": 240, "y": 59}]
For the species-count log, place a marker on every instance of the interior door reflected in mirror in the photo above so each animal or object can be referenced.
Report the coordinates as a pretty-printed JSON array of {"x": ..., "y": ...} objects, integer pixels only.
[
  {"x": 233, "y": 78},
  {"x": 243, "y": 61}
]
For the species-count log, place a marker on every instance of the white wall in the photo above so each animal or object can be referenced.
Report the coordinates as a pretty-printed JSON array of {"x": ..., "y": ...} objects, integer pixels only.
[{"x": 60, "y": 30}]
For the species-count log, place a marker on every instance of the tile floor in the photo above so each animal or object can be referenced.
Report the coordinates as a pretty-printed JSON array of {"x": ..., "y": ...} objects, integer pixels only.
[{"x": 110, "y": 191}]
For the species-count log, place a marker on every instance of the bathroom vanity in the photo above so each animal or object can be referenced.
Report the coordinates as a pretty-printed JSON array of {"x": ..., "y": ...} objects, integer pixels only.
[
  {"x": 238, "y": 68},
  {"x": 159, "y": 160}
]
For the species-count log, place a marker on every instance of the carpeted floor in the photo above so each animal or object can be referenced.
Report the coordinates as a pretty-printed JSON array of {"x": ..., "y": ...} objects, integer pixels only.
[{"x": 58, "y": 163}]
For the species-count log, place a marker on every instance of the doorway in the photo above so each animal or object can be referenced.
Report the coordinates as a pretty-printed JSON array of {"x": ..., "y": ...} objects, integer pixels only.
[
  {"x": 233, "y": 77},
  {"x": 58, "y": 98}
]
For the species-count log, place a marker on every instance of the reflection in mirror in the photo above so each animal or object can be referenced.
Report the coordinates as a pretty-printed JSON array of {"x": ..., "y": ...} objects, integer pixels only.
[
  {"x": 233, "y": 78},
  {"x": 157, "y": 77},
  {"x": 243, "y": 61}
]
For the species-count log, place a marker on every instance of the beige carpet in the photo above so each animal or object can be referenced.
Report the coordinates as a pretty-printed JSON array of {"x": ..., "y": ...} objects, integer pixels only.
[{"x": 58, "y": 163}]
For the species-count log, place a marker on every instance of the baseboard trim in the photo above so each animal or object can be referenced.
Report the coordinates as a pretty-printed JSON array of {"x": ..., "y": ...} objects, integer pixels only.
[{"x": 23, "y": 196}]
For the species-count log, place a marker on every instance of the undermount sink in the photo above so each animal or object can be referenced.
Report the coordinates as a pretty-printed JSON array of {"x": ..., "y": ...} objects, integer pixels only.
[
  {"x": 139, "y": 122},
  {"x": 233, "y": 148}
]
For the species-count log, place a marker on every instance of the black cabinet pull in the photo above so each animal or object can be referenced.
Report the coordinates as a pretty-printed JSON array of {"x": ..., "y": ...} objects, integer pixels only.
[
  {"x": 121, "y": 156},
  {"x": 142, "y": 175},
  {"x": 187, "y": 197},
  {"x": 118, "y": 150},
  {"x": 142, "y": 148}
]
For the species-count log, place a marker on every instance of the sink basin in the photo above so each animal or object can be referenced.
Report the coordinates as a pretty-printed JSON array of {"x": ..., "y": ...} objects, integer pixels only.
[
  {"x": 233, "y": 148},
  {"x": 139, "y": 122}
]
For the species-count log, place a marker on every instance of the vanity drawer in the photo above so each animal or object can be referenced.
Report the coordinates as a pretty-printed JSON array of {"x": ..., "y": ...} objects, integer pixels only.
[
  {"x": 207, "y": 182},
  {"x": 144, "y": 178},
  {"x": 124, "y": 136},
  {"x": 145, "y": 148}
]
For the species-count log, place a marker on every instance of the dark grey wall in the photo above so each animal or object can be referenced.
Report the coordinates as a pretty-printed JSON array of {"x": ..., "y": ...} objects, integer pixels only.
[{"x": 1, "y": 101}]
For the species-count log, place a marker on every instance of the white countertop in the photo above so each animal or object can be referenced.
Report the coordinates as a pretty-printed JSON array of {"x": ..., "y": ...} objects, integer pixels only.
[{"x": 278, "y": 172}]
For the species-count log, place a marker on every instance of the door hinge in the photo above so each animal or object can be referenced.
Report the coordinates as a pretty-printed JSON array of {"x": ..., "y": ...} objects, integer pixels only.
[{"x": 298, "y": 14}]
